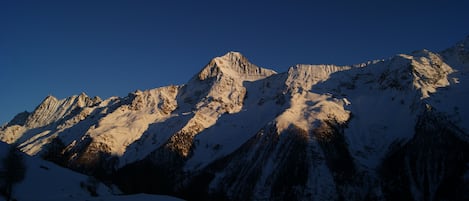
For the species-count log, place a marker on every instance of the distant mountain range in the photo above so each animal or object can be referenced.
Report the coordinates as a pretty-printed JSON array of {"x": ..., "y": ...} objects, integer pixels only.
[{"x": 393, "y": 129}]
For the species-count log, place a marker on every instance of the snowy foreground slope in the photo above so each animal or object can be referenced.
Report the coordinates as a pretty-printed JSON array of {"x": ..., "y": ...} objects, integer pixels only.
[
  {"x": 394, "y": 129},
  {"x": 44, "y": 180}
]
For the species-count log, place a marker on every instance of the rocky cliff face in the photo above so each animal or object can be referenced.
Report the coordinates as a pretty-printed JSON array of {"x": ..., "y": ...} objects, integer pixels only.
[{"x": 382, "y": 130}]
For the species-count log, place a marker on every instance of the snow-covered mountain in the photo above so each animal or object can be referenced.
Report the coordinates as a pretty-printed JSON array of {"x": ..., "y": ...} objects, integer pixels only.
[{"x": 381, "y": 130}]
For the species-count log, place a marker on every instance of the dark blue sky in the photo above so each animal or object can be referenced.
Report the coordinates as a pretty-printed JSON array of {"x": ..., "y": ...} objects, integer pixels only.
[{"x": 110, "y": 48}]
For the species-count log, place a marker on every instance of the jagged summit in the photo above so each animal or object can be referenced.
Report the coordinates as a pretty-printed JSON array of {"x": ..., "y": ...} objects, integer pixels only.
[
  {"x": 458, "y": 55},
  {"x": 52, "y": 108},
  {"x": 460, "y": 46},
  {"x": 465, "y": 43},
  {"x": 304, "y": 76},
  {"x": 83, "y": 94},
  {"x": 233, "y": 64},
  {"x": 233, "y": 55},
  {"x": 49, "y": 98}
]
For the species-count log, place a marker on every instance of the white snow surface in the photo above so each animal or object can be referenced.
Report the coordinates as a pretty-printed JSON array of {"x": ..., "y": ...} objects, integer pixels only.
[
  {"x": 126, "y": 124},
  {"x": 48, "y": 182}
]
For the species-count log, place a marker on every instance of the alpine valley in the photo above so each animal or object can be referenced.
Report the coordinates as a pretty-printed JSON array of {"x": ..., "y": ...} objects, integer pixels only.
[{"x": 393, "y": 129}]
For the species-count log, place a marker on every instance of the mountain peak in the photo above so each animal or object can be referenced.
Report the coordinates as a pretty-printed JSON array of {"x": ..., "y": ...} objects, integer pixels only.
[
  {"x": 231, "y": 60},
  {"x": 234, "y": 64},
  {"x": 49, "y": 98},
  {"x": 82, "y": 94},
  {"x": 466, "y": 40},
  {"x": 458, "y": 55},
  {"x": 232, "y": 56},
  {"x": 463, "y": 45}
]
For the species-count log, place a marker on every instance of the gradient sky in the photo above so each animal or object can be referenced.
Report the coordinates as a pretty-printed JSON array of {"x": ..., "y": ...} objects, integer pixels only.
[{"x": 111, "y": 48}]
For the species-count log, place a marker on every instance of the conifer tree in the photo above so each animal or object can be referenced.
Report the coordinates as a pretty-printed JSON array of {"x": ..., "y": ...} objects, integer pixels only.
[{"x": 15, "y": 170}]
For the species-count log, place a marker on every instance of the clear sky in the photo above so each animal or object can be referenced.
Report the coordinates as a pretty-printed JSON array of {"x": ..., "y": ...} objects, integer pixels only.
[{"x": 110, "y": 48}]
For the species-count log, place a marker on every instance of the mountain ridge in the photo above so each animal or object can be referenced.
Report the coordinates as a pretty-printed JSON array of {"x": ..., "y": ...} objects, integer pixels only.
[{"x": 236, "y": 131}]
